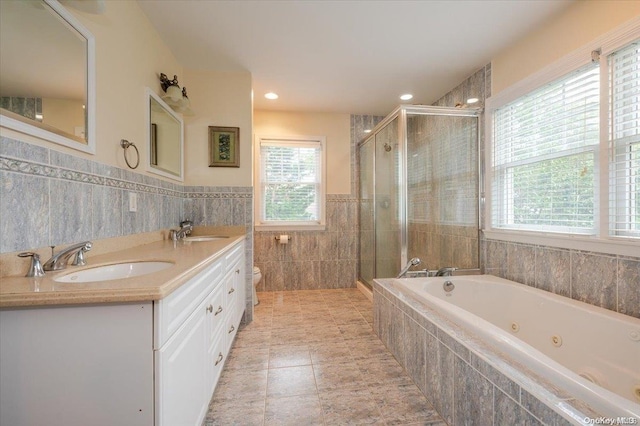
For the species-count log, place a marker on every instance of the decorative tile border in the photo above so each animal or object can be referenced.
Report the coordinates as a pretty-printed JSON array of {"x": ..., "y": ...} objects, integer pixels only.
[{"x": 56, "y": 172}]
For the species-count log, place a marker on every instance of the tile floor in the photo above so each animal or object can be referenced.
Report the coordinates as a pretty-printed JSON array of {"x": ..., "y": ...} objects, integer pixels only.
[{"x": 312, "y": 358}]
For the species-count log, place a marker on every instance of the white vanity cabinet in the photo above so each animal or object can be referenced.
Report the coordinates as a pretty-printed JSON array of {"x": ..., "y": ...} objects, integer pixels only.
[
  {"x": 190, "y": 352},
  {"x": 148, "y": 363}
]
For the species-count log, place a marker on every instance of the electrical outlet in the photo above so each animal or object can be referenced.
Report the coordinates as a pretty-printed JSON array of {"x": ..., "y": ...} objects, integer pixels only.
[{"x": 133, "y": 202}]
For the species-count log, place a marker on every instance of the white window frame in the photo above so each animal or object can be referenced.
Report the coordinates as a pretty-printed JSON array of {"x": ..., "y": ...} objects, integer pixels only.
[
  {"x": 259, "y": 222},
  {"x": 602, "y": 241}
]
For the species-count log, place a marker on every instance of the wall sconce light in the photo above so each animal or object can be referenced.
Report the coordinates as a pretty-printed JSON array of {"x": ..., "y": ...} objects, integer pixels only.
[{"x": 174, "y": 97}]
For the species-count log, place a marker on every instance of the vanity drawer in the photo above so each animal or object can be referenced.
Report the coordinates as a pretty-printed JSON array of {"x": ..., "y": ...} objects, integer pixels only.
[{"x": 174, "y": 309}]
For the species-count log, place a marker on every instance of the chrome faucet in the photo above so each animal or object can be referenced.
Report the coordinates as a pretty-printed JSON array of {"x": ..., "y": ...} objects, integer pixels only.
[
  {"x": 186, "y": 226},
  {"x": 59, "y": 261},
  {"x": 413, "y": 262},
  {"x": 445, "y": 272}
]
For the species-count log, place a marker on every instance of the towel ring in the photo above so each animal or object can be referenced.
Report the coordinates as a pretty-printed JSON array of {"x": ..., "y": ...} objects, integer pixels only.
[{"x": 125, "y": 144}]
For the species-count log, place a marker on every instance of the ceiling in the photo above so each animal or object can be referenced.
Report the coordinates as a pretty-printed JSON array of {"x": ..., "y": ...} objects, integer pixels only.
[{"x": 345, "y": 56}]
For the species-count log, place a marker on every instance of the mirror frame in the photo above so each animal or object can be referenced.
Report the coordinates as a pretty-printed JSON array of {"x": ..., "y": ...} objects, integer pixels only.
[
  {"x": 90, "y": 132},
  {"x": 150, "y": 94}
]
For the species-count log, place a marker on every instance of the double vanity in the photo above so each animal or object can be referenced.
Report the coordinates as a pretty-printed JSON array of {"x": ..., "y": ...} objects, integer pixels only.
[{"x": 93, "y": 345}]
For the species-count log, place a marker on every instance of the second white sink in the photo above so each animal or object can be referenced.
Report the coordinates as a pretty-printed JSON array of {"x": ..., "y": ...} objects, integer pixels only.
[{"x": 113, "y": 272}]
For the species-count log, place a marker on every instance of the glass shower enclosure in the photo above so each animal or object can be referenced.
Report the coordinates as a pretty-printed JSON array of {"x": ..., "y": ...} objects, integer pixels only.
[{"x": 419, "y": 191}]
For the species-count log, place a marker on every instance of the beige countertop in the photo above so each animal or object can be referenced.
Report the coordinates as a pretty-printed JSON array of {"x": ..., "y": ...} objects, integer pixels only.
[{"x": 189, "y": 259}]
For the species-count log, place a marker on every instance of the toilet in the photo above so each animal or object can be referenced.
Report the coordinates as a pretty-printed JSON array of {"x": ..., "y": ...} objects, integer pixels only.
[{"x": 257, "y": 276}]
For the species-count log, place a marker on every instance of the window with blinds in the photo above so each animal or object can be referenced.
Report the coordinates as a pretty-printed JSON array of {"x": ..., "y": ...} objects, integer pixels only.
[
  {"x": 291, "y": 182},
  {"x": 624, "y": 141},
  {"x": 545, "y": 149}
]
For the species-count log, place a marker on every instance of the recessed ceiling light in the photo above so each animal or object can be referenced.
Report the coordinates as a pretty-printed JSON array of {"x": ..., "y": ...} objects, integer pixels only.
[
  {"x": 368, "y": 131},
  {"x": 271, "y": 95},
  {"x": 406, "y": 96},
  {"x": 472, "y": 100}
]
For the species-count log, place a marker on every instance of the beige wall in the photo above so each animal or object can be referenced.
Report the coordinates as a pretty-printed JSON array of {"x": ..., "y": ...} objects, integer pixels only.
[
  {"x": 129, "y": 54},
  {"x": 218, "y": 99},
  {"x": 579, "y": 24},
  {"x": 63, "y": 114},
  {"x": 335, "y": 127}
]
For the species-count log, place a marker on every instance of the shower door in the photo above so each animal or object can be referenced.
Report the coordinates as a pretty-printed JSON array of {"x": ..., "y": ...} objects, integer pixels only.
[
  {"x": 367, "y": 252},
  {"x": 419, "y": 191},
  {"x": 387, "y": 209}
]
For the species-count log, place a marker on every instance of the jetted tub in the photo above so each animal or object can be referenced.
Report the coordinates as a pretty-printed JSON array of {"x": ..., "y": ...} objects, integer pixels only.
[{"x": 590, "y": 352}]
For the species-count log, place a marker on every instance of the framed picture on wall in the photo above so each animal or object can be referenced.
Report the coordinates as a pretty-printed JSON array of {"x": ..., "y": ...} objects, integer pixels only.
[{"x": 224, "y": 149}]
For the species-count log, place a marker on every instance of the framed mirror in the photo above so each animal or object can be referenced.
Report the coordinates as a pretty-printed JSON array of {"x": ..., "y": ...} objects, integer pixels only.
[
  {"x": 165, "y": 136},
  {"x": 47, "y": 62}
]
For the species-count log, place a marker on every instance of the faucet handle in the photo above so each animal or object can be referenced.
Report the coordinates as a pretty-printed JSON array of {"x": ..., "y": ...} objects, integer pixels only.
[
  {"x": 35, "y": 269},
  {"x": 79, "y": 259}
]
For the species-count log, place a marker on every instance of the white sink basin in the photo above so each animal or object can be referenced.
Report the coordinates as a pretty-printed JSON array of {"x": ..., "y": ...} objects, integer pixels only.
[
  {"x": 206, "y": 238},
  {"x": 113, "y": 272}
]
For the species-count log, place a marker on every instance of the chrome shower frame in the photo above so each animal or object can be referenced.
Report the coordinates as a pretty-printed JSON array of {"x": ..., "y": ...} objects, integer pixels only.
[{"x": 402, "y": 112}]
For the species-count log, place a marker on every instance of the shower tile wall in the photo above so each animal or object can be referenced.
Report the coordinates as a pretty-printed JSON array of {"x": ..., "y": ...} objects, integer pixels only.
[
  {"x": 317, "y": 259},
  {"x": 50, "y": 198},
  {"x": 443, "y": 194}
]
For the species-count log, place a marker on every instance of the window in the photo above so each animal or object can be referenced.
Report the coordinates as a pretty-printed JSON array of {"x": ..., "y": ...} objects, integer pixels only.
[
  {"x": 564, "y": 158},
  {"x": 545, "y": 150},
  {"x": 624, "y": 137},
  {"x": 291, "y": 188}
]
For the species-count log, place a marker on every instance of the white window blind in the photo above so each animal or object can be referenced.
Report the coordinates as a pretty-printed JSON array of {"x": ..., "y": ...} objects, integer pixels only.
[
  {"x": 291, "y": 182},
  {"x": 544, "y": 157},
  {"x": 624, "y": 141}
]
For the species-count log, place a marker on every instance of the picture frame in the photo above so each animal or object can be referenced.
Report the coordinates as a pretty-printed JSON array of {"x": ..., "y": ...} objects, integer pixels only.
[{"x": 224, "y": 146}]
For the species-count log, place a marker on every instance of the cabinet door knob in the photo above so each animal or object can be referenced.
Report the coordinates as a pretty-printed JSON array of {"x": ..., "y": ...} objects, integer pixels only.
[
  {"x": 220, "y": 357},
  {"x": 210, "y": 308},
  {"x": 218, "y": 310},
  {"x": 231, "y": 329},
  {"x": 232, "y": 290}
]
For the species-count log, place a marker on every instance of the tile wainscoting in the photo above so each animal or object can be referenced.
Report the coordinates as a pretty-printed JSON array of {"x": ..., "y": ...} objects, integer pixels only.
[
  {"x": 312, "y": 259},
  {"x": 609, "y": 281},
  {"x": 48, "y": 198}
]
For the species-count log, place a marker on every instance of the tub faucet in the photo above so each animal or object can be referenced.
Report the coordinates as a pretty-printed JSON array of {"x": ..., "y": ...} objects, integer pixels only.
[
  {"x": 445, "y": 272},
  {"x": 413, "y": 262},
  {"x": 59, "y": 261}
]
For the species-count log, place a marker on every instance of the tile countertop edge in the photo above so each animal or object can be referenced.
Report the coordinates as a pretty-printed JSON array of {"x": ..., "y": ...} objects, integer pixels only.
[{"x": 115, "y": 291}]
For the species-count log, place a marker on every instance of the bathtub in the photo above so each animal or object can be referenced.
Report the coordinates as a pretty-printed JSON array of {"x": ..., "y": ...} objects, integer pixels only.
[{"x": 586, "y": 352}]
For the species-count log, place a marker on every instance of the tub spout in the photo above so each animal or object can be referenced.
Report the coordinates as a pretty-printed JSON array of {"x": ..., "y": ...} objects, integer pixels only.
[{"x": 445, "y": 272}]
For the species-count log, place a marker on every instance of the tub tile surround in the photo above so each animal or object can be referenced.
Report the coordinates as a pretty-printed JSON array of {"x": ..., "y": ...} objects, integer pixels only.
[
  {"x": 608, "y": 281},
  {"x": 466, "y": 381},
  {"x": 51, "y": 198}
]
